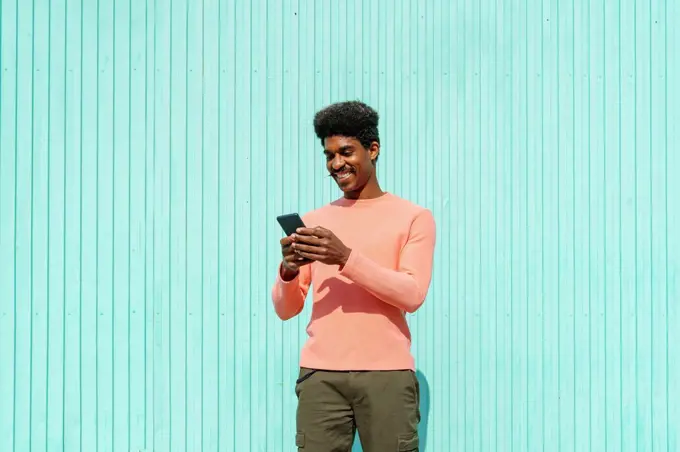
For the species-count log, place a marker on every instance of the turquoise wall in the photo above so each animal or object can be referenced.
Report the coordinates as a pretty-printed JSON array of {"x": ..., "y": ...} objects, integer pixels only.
[{"x": 147, "y": 146}]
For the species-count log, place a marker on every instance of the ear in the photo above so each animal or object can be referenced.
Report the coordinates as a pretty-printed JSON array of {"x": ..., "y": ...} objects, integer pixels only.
[{"x": 374, "y": 151}]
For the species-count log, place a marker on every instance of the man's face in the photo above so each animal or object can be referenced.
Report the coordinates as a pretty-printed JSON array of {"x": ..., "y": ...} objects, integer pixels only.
[{"x": 349, "y": 162}]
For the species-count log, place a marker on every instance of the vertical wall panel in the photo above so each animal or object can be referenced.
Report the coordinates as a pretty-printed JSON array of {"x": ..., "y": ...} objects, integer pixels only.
[
  {"x": 147, "y": 146},
  {"x": 8, "y": 219}
]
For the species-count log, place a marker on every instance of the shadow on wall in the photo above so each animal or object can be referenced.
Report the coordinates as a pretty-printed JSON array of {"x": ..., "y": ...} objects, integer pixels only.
[{"x": 424, "y": 415}]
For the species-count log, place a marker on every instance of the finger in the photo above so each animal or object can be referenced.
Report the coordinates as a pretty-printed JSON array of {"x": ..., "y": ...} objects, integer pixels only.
[
  {"x": 310, "y": 249},
  {"x": 286, "y": 240},
  {"x": 314, "y": 232},
  {"x": 322, "y": 232},
  {"x": 316, "y": 257},
  {"x": 305, "y": 231},
  {"x": 294, "y": 259},
  {"x": 289, "y": 265},
  {"x": 309, "y": 239}
]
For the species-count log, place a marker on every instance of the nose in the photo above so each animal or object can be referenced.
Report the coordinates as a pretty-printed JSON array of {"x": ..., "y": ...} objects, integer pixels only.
[{"x": 338, "y": 162}]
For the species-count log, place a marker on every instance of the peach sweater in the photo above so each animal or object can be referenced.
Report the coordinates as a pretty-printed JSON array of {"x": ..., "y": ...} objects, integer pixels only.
[{"x": 358, "y": 313}]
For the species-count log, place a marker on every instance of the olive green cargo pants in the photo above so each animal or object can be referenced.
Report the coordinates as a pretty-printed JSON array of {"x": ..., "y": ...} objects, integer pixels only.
[{"x": 383, "y": 406}]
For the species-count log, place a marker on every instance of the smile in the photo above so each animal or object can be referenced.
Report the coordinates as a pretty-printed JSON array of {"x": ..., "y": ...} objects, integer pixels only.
[{"x": 343, "y": 175}]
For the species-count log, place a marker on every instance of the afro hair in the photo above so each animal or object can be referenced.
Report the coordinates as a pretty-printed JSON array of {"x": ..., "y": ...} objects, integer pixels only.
[{"x": 351, "y": 119}]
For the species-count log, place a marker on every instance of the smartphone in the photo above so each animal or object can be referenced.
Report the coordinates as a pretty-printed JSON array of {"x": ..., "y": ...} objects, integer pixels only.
[{"x": 290, "y": 222}]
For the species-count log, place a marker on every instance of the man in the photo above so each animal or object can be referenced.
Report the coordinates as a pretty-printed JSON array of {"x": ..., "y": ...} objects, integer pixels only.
[{"x": 368, "y": 257}]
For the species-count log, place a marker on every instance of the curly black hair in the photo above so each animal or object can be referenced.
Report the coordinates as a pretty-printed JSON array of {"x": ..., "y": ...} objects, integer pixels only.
[{"x": 352, "y": 119}]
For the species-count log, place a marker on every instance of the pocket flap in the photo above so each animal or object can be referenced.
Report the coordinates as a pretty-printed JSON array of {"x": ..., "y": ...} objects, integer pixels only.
[
  {"x": 300, "y": 440},
  {"x": 408, "y": 443}
]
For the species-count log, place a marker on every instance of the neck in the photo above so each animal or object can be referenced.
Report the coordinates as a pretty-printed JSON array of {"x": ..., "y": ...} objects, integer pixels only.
[{"x": 369, "y": 191}]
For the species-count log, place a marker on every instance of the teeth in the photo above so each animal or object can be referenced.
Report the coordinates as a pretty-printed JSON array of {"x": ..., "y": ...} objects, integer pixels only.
[{"x": 342, "y": 176}]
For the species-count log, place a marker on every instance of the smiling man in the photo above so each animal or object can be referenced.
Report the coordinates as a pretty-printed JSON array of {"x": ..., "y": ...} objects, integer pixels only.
[{"x": 367, "y": 258}]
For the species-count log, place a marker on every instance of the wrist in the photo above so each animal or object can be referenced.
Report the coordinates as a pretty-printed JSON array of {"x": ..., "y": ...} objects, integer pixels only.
[
  {"x": 345, "y": 258},
  {"x": 288, "y": 274}
]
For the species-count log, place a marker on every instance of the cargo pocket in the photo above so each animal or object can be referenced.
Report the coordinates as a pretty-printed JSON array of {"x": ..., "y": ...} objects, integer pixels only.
[
  {"x": 300, "y": 440},
  {"x": 408, "y": 443}
]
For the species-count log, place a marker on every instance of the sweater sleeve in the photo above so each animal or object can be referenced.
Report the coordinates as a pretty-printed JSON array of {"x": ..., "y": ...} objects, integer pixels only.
[
  {"x": 289, "y": 296},
  {"x": 407, "y": 286}
]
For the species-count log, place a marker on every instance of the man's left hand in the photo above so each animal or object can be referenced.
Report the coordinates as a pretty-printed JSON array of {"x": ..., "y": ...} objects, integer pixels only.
[{"x": 321, "y": 245}]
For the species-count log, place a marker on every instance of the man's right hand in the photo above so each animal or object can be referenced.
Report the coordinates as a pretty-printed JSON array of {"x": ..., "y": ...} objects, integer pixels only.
[{"x": 292, "y": 261}]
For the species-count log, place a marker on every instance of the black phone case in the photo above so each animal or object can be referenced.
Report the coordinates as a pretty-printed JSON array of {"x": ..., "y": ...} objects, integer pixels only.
[{"x": 290, "y": 222}]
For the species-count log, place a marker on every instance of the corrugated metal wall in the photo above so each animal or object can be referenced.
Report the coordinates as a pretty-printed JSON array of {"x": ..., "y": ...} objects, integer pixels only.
[{"x": 147, "y": 146}]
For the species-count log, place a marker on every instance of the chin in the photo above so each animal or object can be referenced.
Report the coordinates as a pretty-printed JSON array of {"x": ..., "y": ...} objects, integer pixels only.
[
  {"x": 351, "y": 188},
  {"x": 345, "y": 188}
]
